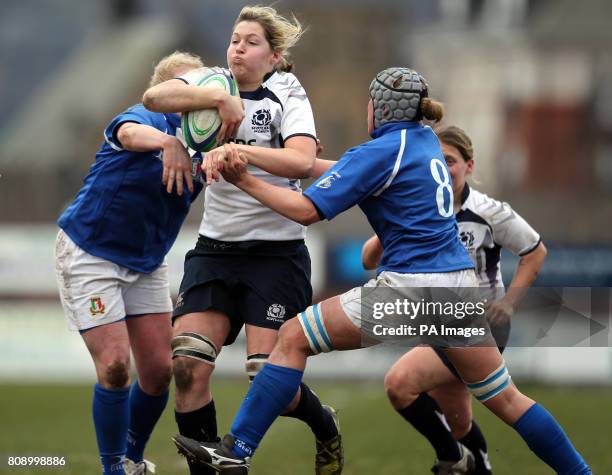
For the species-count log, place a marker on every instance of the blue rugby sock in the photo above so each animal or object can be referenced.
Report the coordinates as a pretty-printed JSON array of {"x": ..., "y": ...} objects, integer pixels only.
[
  {"x": 111, "y": 417},
  {"x": 145, "y": 411},
  {"x": 546, "y": 439},
  {"x": 269, "y": 395}
]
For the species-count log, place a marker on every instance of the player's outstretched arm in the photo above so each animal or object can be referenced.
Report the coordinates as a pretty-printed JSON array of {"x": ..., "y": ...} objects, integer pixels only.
[
  {"x": 371, "y": 253},
  {"x": 321, "y": 166},
  {"x": 144, "y": 138},
  {"x": 295, "y": 160},
  {"x": 525, "y": 275},
  {"x": 291, "y": 204},
  {"x": 175, "y": 95}
]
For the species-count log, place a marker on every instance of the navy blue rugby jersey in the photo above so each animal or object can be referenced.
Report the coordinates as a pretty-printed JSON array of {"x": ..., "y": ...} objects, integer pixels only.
[
  {"x": 123, "y": 213},
  {"x": 401, "y": 182}
]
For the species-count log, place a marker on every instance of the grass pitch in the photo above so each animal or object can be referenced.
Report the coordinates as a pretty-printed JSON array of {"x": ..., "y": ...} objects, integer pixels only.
[{"x": 56, "y": 420}]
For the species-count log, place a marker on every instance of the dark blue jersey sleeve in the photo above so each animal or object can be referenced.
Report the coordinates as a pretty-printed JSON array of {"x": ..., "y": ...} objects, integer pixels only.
[
  {"x": 137, "y": 114},
  {"x": 360, "y": 173}
]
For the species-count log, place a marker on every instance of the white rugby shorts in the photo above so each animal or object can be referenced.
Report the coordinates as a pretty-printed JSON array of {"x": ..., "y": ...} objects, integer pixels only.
[
  {"x": 408, "y": 286},
  {"x": 94, "y": 291}
]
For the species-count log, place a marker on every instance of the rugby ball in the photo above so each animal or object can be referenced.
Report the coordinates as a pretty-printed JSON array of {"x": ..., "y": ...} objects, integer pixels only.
[{"x": 200, "y": 128}]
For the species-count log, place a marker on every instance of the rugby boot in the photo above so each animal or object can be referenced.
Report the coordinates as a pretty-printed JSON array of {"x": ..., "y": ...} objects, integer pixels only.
[
  {"x": 330, "y": 454},
  {"x": 217, "y": 455},
  {"x": 141, "y": 468},
  {"x": 465, "y": 465}
]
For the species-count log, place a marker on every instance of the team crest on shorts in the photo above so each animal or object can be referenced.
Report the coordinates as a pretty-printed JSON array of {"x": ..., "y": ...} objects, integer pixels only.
[
  {"x": 97, "y": 307},
  {"x": 276, "y": 312},
  {"x": 467, "y": 239},
  {"x": 179, "y": 300}
]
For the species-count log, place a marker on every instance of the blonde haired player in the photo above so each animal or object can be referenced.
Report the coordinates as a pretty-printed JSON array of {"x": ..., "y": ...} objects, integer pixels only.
[
  {"x": 250, "y": 266},
  {"x": 111, "y": 270}
]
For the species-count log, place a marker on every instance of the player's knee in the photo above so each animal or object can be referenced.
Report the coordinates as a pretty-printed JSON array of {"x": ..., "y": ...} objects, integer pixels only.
[
  {"x": 291, "y": 338},
  {"x": 116, "y": 373},
  {"x": 183, "y": 370},
  {"x": 460, "y": 423},
  {"x": 192, "y": 353},
  {"x": 393, "y": 386},
  {"x": 401, "y": 386},
  {"x": 157, "y": 380}
]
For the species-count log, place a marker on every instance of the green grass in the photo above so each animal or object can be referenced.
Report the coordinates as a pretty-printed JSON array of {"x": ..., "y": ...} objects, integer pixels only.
[{"x": 56, "y": 420}]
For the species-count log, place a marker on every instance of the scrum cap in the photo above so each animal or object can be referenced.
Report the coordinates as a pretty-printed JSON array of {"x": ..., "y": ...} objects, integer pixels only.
[{"x": 396, "y": 94}]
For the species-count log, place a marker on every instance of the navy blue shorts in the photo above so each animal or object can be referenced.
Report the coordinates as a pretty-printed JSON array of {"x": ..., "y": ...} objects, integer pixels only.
[{"x": 257, "y": 283}]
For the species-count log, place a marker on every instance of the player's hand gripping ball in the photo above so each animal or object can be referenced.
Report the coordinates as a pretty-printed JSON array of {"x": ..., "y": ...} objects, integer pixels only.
[{"x": 201, "y": 127}]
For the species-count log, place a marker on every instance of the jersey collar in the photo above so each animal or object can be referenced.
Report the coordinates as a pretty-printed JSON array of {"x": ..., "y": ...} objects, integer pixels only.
[
  {"x": 258, "y": 93},
  {"x": 465, "y": 193},
  {"x": 393, "y": 126}
]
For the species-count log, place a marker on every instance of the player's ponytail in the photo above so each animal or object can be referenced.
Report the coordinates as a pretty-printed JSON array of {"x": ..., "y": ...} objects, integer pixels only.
[
  {"x": 431, "y": 109},
  {"x": 281, "y": 33}
]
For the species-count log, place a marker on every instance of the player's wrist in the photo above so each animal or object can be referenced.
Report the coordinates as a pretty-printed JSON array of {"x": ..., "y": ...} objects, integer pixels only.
[
  {"x": 245, "y": 181},
  {"x": 243, "y": 151},
  {"x": 169, "y": 141},
  {"x": 220, "y": 97}
]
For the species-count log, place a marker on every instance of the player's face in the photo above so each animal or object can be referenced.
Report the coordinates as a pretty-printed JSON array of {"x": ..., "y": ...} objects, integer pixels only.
[
  {"x": 249, "y": 54},
  {"x": 457, "y": 166}
]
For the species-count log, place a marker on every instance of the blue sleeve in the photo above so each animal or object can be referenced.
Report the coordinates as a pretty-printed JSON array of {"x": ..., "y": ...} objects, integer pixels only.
[
  {"x": 137, "y": 114},
  {"x": 360, "y": 173}
]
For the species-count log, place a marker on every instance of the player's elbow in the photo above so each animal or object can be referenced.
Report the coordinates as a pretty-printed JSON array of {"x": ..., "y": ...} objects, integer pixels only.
[
  {"x": 309, "y": 167},
  {"x": 302, "y": 167},
  {"x": 152, "y": 99},
  {"x": 371, "y": 253},
  {"x": 307, "y": 215},
  {"x": 367, "y": 262},
  {"x": 125, "y": 135}
]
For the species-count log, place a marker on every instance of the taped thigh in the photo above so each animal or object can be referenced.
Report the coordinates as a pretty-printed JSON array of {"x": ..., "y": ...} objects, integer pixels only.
[
  {"x": 492, "y": 385},
  {"x": 313, "y": 326}
]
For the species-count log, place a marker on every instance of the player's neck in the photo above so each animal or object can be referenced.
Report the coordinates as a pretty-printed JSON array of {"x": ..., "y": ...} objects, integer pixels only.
[
  {"x": 249, "y": 86},
  {"x": 457, "y": 200}
]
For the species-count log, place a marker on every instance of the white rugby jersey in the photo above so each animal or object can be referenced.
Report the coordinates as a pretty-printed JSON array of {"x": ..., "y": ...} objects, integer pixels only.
[
  {"x": 276, "y": 111},
  {"x": 485, "y": 227}
]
